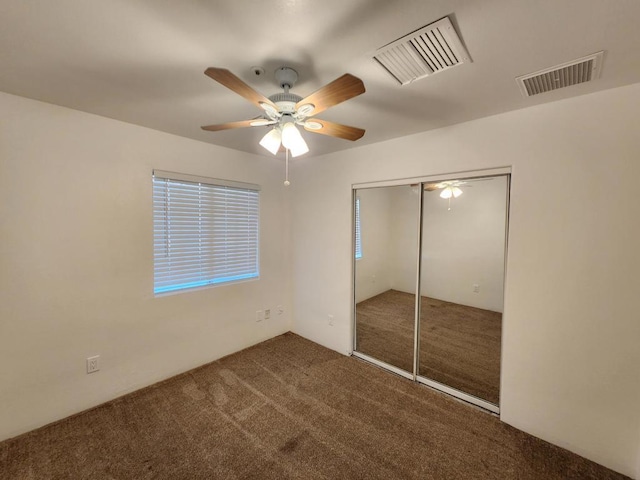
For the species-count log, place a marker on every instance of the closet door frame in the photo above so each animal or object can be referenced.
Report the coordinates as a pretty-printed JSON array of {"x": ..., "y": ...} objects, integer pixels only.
[{"x": 474, "y": 174}]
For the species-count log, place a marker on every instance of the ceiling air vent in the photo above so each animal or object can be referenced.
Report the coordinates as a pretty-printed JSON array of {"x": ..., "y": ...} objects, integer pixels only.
[
  {"x": 577, "y": 71},
  {"x": 431, "y": 49}
]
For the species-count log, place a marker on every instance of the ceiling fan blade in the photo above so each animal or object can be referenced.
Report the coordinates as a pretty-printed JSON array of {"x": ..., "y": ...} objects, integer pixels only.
[
  {"x": 229, "y": 80},
  {"x": 336, "y": 130},
  {"x": 341, "y": 89},
  {"x": 430, "y": 187},
  {"x": 229, "y": 125}
]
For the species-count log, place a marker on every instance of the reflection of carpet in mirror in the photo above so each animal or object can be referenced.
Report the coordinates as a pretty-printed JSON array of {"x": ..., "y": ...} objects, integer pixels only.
[{"x": 460, "y": 345}]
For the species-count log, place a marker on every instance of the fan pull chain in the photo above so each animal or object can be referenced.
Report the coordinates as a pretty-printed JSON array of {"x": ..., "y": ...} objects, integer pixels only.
[
  {"x": 449, "y": 204},
  {"x": 286, "y": 169}
]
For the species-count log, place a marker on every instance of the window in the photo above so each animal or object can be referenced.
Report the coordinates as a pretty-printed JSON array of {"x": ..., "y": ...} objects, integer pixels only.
[
  {"x": 205, "y": 231},
  {"x": 358, "y": 231}
]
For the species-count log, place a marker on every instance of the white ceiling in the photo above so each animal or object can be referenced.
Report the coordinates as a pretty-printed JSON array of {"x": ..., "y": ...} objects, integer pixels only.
[{"x": 142, "y": 61}]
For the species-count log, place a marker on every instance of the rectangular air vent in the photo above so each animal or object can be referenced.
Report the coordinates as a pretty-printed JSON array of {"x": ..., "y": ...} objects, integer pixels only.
[
  {"x": 431, "y": 49},
  {"x": 570, "y": 73}
]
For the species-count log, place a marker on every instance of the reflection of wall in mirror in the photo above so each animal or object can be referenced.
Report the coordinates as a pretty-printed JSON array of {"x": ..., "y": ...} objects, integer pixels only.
[{"x": 462, "y": 247}]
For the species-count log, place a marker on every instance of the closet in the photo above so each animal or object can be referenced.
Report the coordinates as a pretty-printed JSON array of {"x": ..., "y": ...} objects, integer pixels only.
[{"x": 429, "y": 267}]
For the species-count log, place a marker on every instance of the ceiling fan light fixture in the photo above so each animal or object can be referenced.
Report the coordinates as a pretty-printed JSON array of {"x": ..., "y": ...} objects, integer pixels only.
[
  {"x": 300, "y": 149},
  {"x": 456, "y": 192},
  {"x": 292, "y": 140},
  {"x": 271, "y": 141}
]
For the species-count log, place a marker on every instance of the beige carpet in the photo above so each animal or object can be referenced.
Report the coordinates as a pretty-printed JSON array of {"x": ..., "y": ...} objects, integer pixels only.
[
  {"x": 459, "y": 345},
  {"x": 287, "y": 409}
]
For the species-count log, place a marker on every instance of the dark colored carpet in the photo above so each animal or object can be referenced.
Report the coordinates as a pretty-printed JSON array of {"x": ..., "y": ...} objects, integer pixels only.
[
  {"x": 459, "y": 345},
  {"x": 287, "y": 409}
]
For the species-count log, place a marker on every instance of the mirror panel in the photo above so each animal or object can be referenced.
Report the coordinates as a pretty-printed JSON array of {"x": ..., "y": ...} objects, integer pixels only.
[
  {"x": 385, "y": 274},
  {"x": 462, "y": 282}
]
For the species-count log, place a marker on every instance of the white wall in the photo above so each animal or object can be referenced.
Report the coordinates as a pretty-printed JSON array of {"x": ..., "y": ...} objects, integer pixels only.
[
  {"x": 571, "y": 330},
  {"x": 76, "y": 263},
  {"x": 404, "y": 237}
]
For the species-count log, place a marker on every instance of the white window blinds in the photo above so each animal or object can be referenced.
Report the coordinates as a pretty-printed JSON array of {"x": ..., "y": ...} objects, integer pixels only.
[
  {"x": 358, "y": 233},
  {"x": 205, "y": 231}
]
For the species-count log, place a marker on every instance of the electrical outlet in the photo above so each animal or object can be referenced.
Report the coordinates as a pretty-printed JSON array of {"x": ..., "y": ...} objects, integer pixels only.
[
  {"x": 267, "y": 313},
  {"x": 330, "y": 320},
  {"x": 476, "y": 288},
  {"x": 93, "y": 364},
  {"x": 258, "y": 315},
  {"x": 280, "y": 309}
]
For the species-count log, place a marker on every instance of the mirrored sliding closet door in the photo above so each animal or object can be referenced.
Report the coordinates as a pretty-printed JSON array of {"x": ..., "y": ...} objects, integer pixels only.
[
  {"x": 447, "y": 240},
  {"x": 385, "y": 274}
]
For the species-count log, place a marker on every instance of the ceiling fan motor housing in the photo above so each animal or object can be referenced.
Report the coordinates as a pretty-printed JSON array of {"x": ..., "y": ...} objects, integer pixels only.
[
  {"x": 286, "y": 102},
  {"x": 286, "y": 77}
]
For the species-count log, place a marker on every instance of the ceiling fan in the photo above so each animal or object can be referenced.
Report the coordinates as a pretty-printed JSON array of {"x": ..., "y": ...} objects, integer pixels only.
[
  {"x": 286, "y": 110},
  {"x": 450, "y": 188}
]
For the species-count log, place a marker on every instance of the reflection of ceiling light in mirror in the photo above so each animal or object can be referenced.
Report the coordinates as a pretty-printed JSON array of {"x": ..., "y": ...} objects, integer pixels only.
[
  {"x": 449, "y": 192},
  {"x": 446, "y": 193}
]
